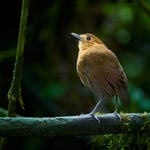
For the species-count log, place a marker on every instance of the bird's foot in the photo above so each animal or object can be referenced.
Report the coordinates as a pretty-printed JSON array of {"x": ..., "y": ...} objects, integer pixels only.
[
  {"x": 92, "y": 115},
  {"x": 117, "y": 115}
]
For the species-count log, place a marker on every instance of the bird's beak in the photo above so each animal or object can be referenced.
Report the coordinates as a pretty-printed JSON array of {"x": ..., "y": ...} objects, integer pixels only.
[{"x": 77, "y": 36}]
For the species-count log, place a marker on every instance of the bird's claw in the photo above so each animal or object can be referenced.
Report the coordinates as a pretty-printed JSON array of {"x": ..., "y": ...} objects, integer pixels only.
[
  {"x": 117, "y": 115},
  {"x": 92, "y": 115}
]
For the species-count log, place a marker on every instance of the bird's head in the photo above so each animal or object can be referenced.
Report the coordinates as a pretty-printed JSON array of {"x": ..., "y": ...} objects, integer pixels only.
[{"x": 86, "y": 40}]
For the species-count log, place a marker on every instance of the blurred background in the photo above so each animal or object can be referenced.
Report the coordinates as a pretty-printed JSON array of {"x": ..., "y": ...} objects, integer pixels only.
[{"x": 50, "y": 84}]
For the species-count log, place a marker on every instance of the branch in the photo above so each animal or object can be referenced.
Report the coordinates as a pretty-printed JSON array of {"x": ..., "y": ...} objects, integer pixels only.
[
  {"x": 14, "y": 92},
  {"x": 74, "y": 125}
]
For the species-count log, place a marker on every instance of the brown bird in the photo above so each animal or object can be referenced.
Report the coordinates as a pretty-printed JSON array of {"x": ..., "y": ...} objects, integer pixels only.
[{"x": 100, "y": 70}]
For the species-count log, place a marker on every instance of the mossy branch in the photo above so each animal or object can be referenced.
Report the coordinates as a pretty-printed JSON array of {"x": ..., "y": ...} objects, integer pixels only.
[
  {"x": 75, "y": 125},
  {"x": 14, "y": 92}
]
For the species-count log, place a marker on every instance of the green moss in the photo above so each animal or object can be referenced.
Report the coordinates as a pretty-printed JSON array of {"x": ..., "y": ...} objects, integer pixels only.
[
  {"x": 144, "y": 116},
  {"x": 125, "y": 117},
  {"x": 146, "y": 127},
  {"x": 125, "y": 123},
  {"x": 120, "y": 141},
  {"x": 125, "y": 140}
]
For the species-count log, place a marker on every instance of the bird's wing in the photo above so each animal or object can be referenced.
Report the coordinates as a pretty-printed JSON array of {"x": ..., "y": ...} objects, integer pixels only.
[
  {"x": 116, "y": 77},
  {"x": 99, "y": 85}
]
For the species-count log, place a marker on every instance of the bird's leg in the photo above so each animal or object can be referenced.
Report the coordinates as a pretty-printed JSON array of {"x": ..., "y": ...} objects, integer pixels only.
[
  {"x": 95, "y": 108},
  {"x": 116, "y": 108},
  {"x": 93, "y": 112}
]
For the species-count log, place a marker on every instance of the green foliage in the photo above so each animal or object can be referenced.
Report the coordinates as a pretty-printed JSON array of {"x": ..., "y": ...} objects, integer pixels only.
[
  {"x": 54, "y": 90},
  {"x": 121, "y": 141}
]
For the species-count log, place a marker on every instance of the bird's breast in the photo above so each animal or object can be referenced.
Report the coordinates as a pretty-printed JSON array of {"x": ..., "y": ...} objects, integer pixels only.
[{"x": 88, "y": 62}]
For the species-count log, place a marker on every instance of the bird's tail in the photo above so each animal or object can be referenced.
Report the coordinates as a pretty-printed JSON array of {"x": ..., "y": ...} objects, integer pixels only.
[{"x": 124, "y": 96}]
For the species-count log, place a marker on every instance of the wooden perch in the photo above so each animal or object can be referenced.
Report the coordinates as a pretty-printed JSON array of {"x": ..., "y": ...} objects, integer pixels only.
[{"x": 74, "y": 125}]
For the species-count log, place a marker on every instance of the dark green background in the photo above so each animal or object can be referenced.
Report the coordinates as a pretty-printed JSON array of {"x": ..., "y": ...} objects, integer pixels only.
[{"x": 50, "y": 84}]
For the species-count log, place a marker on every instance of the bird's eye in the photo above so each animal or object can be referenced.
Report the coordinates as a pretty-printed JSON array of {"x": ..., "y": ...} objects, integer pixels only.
[{"x": 88, "y": 38}]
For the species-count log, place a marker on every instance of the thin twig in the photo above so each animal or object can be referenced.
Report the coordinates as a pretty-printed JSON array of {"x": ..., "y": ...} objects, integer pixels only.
[{"x": 14, "y": 92}]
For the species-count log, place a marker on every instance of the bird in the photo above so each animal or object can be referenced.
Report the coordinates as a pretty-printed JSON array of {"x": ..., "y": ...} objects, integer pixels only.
[{"x": 100, "y": 70}]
